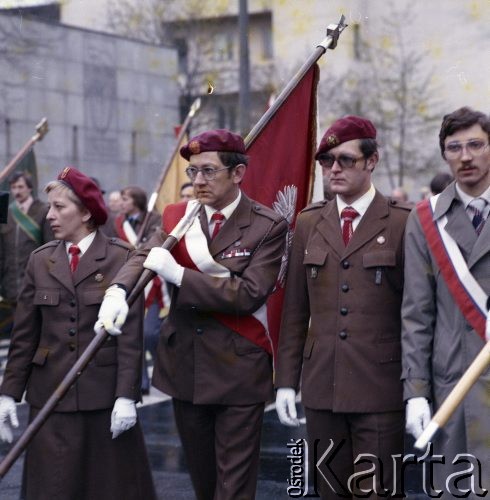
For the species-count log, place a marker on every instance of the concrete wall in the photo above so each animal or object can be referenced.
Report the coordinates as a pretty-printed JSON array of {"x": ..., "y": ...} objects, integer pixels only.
[{"x": 111, "y": 103}]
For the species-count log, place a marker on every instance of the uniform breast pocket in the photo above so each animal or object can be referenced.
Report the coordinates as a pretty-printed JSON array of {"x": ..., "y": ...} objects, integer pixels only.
[
  {"x": 313, "y": 260},
  {"x": 93, "y": 296},
  {"x": 47, "y": 297},
  {"x": 383, "y": 266}
]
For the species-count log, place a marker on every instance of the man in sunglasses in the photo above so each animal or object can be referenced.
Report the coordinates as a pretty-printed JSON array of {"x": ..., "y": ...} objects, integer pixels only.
[
  {"x": 341, "y": 319},
  {"x": 445, "y": 308},
  {"x": 214, "y": 354}
]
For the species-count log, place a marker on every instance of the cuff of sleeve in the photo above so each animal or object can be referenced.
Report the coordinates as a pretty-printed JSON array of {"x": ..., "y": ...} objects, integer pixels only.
[{"x": 416, "y": 387}]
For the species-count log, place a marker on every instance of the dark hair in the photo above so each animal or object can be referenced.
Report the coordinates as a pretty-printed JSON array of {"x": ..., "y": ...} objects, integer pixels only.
[
  {"x": 461, "y": 119},
  {"x": 21, "y": 175},
  {"x": 138, "y": 195},
  {"x": 440, "y": 182},
  {"x": 368, "y": 147},
  {"x": 186, "y": 185},
  {"x": 232, "y": 159}
]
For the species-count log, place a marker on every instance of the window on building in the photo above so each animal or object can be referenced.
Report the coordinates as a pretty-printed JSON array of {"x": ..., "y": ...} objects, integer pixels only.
[
  {"x": 266, "y": 35},
  {"x": 182, "y": 52},
  {"x": 356, "y": 37},
  {"x": 223, "y": 47},
  {"x": 227, "y": 116}
]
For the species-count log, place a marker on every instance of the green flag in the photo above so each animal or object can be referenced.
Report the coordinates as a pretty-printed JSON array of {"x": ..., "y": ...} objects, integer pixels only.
[{"x": 27, "y": 164}]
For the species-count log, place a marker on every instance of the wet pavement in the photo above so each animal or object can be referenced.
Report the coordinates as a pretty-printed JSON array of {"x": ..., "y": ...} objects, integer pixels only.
[{"x": 169, "y": 470}]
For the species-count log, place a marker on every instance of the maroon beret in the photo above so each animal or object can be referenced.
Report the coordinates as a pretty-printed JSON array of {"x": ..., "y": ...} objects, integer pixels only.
[
  {"x": 346, "y": 129},
  {"x": 213, "y": 140},
  {"x": 88, "y": 192}
]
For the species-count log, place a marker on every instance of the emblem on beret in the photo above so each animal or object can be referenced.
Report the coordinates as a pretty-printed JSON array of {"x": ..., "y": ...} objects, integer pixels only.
[
  {"x": 99, "y": 277},
  {"x": 194, "y": 147},
  {"x": 65, "y": 172},
  {"x": 332, "y": 140},
  {"x": 381, "y": 240}
]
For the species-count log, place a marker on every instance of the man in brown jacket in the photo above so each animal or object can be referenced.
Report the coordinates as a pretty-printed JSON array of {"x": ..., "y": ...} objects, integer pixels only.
[
  {"x": 214, "y": 355},
  {"x": 341, "y": 318},
  {"x": 26, "y": 230}
]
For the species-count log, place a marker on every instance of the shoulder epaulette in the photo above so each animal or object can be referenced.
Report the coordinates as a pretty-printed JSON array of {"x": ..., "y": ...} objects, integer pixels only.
[
  {"x": 49, "y": 244},
  {"x": 315, "y": 206},
  {"x": 405, "y": 205},
  {"x": 120, "y": 243},
  {"x": 260, "y": 209}
]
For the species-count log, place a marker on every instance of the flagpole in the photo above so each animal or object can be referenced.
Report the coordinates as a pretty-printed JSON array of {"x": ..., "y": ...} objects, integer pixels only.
[
  {"x": 41, "y": 131},
  {"x": 154, "y": 196},
  {"x": 330, "y": 42}
]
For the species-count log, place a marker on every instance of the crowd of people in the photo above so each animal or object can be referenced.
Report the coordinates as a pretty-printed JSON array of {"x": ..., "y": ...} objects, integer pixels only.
[{"x": 385, "y": 307}]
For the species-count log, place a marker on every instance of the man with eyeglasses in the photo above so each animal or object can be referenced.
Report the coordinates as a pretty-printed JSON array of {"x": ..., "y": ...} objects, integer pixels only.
[
  {"x": 214, "y": 354},
  {"x": 445, "y": 308},
  {"x": 341, "y": 318}
]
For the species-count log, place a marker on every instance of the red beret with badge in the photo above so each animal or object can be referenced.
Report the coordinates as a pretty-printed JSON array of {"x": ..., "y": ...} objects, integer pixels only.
[
  {"x": 346, "y": 129},
  {"x": 88, "y": 192},
  {"x": 213, "y": 140}
]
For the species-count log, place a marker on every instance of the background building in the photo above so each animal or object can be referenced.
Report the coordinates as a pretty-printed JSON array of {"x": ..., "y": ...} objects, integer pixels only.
[{"x": 111, "y": 103}]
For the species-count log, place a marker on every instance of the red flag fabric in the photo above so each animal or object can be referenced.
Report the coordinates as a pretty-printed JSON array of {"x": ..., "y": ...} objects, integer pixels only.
[{"x": 281, "y": 166}]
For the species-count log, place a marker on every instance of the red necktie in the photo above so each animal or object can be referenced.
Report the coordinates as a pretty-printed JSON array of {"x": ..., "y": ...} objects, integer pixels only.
[
  {"x": 218, "y": 219},
  {"x": 74, "y": 251},
  {"x": 348, "y": 214}
]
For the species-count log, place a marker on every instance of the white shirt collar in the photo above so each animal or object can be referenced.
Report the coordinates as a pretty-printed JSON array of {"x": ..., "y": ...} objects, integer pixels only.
[
  {"x": 26, "y": 204},
  {"x": 467, "y": 199},
  {"x": 227, "y": 211},
  {"x": 83, "y": 244},
  {"x": 360, "y": 205}
]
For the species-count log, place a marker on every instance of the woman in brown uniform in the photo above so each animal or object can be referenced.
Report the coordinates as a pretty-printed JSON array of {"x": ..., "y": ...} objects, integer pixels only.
[{"x": 74, "y": 455}]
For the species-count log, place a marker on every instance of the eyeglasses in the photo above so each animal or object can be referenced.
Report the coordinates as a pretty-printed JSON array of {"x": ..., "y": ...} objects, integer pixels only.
[
  {"x": 208, "y": 172},
  {"x": 327, "y": 160},
  {"x": 455, "y": 149}
]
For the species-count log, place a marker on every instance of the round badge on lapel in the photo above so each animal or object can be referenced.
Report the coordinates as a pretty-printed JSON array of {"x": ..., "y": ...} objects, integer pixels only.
[
  {"x": 381, "y": 240},
  {"x": 99, "y": 277}
]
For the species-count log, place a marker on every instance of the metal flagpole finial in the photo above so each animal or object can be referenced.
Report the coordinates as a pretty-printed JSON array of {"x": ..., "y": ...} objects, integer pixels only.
[{"x": 333, "y": 33}]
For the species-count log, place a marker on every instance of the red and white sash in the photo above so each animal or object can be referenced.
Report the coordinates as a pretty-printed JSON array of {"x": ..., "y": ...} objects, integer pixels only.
[
  {"x": 466, "y": 291},
  {"x": 192, "y": 252},
  {"x": 155, "y": 290}
]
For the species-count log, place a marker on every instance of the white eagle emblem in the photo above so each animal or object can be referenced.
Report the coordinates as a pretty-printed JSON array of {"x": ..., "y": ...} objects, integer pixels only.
[{"x": 285, "y": 205}]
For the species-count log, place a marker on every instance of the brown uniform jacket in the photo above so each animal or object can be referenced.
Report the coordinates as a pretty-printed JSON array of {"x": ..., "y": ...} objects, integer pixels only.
[
  {"x": 16, "y": 247},
  {"x": 199, "y": 359},
  {"x": 350, "y": 353},
  {"x": 54, "y": 324}
]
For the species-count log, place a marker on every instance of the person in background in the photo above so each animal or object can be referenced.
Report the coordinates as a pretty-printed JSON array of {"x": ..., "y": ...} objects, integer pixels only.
[
  {"x": 74, "y": 455},
  {"x": 440, "y": 182},
  {"x": 114, "y": 202},
  {"x": 340, "y": 329},
  {"x": 399, "y": 194},
  {"x": 187, "y": 191},
  {"x": 445, "y": 308},
  {"x": 214, "y": 354},
  {"x": 128, "y": 225},
  {"x": 26, "y": 230}
]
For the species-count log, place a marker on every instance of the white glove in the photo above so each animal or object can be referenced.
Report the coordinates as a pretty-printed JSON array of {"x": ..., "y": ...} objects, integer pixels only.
[
  {"x": 112, "y": 312},
  {"x": 161, "y": 261},
  {"x": 286, "y": 406},
  {"x": 8, "y": 410},
  {"x": 123, "y": 416},
  {"x": 417, "y": 415}
]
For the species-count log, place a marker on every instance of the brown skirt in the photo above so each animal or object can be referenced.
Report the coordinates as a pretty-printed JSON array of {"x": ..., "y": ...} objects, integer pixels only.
[{"x": 74, "y": 457}]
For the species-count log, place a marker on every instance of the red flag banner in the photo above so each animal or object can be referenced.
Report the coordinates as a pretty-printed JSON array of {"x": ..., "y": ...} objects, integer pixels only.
[{"x": 281, "y": 166}]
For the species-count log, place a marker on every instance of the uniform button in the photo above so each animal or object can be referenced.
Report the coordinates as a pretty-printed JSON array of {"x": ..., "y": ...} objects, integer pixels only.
[
  {"x": 73, "y": 319},
  {"x": 345, "y": 264},
  {"x": 73, "y": 302},
  {"x": 199, "y": 331},
  {"x": 71, "y": 346},
  {"x": 344, "y": 311},
  {"x": 345, "y": 288},
  {"x": 72, "y": 332},
  {"x": 343, "y": 335}
]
